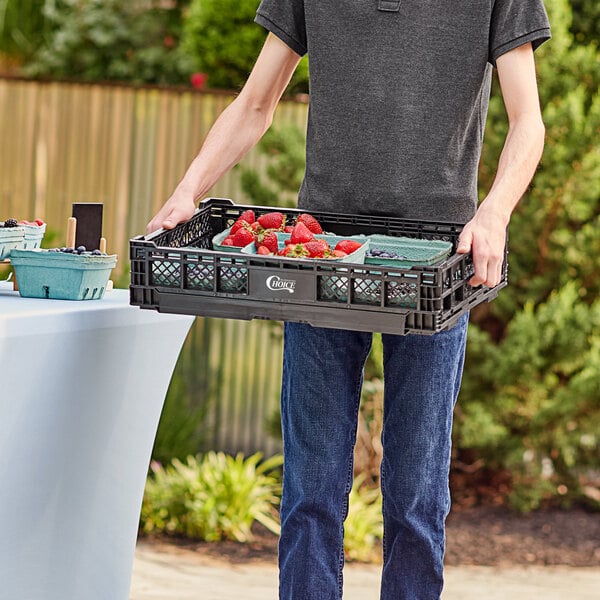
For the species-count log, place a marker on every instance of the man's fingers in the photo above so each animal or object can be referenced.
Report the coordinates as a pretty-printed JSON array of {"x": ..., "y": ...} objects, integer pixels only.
[
  {"x": 168, "y": 218},
  {"x": 465, "y": 240},
  {"x": 481, "y": 271},
  {"x": 488, "y": 269}
]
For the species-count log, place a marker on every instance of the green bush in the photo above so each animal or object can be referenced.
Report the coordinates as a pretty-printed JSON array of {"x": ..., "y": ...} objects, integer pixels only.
[
  {"x": 530, "y": 400},
  {"x": 23, "y": 27},
  {"x": 285, "y": 149},
  {"x": 531, "y": 404},
  {"x": 212, "y": 497},
  {"x": 223, "y": 41},
  {"x": 109, "y": 40},
  {"x": 363, "y": 527}
]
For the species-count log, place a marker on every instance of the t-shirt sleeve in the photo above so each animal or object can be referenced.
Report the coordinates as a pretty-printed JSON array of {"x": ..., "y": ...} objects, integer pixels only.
[
  {"x": 517, "y": 22},
  {"x": 285, "y": 19}
]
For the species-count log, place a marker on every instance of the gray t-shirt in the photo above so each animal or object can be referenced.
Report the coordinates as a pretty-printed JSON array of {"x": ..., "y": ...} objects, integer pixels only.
[{"x": 399, "y": 94}]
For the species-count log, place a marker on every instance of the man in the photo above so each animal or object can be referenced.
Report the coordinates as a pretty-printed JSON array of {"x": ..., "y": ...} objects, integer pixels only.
[{"x": 398, "y": 102}]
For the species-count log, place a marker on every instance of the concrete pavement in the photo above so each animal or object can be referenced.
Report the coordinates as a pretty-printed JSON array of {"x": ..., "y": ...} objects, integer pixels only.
[{"x": 163, "y": 572}]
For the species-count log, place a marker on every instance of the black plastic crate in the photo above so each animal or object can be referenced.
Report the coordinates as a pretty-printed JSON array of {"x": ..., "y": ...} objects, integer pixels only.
[{"x": 177, "y": 271}]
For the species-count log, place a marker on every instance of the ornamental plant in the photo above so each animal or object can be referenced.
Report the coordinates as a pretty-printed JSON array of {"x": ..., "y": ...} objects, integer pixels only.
[
  {"x": 213, "y": 497},
  {"x": 109, "y": 40},
  {"x": 530, "y": 399},
  {"x": 222, "y": 40},
  {"x": 363, "y": 527}
]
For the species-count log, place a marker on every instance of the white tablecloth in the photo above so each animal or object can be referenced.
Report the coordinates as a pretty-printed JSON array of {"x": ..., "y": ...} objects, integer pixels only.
[{"x": 82, "y": 385}]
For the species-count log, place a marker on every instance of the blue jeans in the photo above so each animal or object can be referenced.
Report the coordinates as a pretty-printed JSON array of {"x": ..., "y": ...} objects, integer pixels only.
[{"x": 322, "y": 380}]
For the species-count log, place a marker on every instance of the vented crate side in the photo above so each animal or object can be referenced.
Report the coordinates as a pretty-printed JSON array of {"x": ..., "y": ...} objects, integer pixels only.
[{"x": 177, "y": 271}]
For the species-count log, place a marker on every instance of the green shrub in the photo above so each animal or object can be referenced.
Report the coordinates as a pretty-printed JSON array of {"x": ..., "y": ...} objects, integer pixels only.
[
  {"x": 532, "y": 403},
  {"x": 529, "y": 401},
  {"x": 23, "y": 27},
  {"x": 110, "y": 40},
  {"x": 285, "y": 149},
  {"x": 212, "y": 497},
  {"x": 223, "y": 41},
  {"x": 363, "y": 527}
]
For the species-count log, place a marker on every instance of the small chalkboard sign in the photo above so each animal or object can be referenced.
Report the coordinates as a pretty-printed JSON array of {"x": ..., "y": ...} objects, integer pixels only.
[{"x": 89, "y": 224}]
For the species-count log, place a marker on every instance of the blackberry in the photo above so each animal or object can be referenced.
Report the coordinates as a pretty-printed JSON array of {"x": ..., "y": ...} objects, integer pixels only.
[{"x": 10, "y": 223}]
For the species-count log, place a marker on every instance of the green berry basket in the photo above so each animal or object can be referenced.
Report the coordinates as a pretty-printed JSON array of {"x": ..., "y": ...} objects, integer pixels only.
[
  {"x": 409, "y": 252},
  {"x": 34, "y": 234},
  {"x": 356, "y": 257},
  {"x": 10, "y": 238},
  {"x": 61, "y": 276},
  {"x": 218, "y": 245}
]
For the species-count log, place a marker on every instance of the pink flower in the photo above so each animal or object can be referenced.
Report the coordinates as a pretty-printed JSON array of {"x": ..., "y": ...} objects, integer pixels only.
[
  {"x": 169, "y": 41},
  {"x": 198, "y": 80}
]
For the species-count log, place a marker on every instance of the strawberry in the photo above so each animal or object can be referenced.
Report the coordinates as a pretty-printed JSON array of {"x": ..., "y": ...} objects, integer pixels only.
[
  {"x": 310, "y": 222},
  {"x": 288, "y": 228},
  {"x": 295, "y": 251},
  {"x": 243, "y": 237},
  {"x": 316, "y": 248},
  {"x": 348, "y": 246},
  {"x": 239, "y": 224},
  {"x": 39, "y": 222},
  {"x": 248, "y": 216},
  {"x": 228, "y": 241},
  {"x": 269, "y": 239},
  {"x": 338, "y": 254},
  {"x": 301, "y": 233},
  {"x": 264, "y": 251},
  {"x": 256, "y": 227},
  {"x": 272, "y": 220}
]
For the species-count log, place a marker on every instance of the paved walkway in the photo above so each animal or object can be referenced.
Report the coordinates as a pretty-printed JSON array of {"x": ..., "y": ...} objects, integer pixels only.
[{"x": 170, "y": 573}]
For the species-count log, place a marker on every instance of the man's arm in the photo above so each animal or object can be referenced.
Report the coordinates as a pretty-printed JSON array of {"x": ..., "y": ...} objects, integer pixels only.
[
  {"x": 237, "y": 130},
  {"x": 485, "y": 234}
]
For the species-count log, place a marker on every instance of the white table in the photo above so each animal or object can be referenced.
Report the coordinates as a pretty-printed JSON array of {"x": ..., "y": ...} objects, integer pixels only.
[{"x": 82, "y": 385}]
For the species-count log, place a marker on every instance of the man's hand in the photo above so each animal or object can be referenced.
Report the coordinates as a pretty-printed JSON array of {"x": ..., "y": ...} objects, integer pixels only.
[
  {"x": 178, "y": 208},
  {"x": 485, "y": 235}
]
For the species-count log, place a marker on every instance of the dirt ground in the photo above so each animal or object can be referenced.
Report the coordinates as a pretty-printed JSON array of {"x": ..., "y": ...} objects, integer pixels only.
[{"x": 485, "y": 536}]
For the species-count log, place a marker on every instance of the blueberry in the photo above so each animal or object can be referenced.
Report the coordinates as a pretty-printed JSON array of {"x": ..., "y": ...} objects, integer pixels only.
[
  {"x": 68, "y": 250},
  {"x": 96, "y": 252},
  {"x": 81, "y": 249}
]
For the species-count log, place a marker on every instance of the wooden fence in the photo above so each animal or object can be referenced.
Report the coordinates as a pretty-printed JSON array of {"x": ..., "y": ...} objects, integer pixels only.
[{"x": 127, "y": 147}]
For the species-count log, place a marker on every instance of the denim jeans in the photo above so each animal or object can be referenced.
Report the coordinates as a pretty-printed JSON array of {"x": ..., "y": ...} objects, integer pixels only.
[{"x": 322, "y": 380}]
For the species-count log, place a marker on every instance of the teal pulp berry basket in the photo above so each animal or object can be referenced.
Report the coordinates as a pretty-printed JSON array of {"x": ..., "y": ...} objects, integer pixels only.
[
  {"x": 217, "y": 242},
  {"x": 409, "y": 252},
  {"x": 10, "y": 238},
  {"x": 61, "y": 276},
  {"x": 34, "y": 234},
  {"x": 356, "y": 257}
]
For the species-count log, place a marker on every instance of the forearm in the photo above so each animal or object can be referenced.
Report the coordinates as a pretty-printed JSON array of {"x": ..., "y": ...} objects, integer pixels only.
[
  {"x": 234, "y": 133},
  {"x": 516, "y": 167}
]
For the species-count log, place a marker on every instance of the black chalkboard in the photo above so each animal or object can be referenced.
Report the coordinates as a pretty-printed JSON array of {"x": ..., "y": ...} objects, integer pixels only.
[{"x": 89, "y": 224}]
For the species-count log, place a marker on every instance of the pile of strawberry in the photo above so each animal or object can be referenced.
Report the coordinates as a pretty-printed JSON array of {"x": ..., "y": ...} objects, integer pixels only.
[
  {"x": 247, "y": 229},
  {"x": 302, "y": 243}
]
